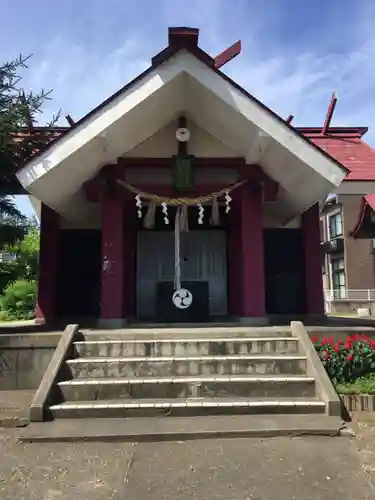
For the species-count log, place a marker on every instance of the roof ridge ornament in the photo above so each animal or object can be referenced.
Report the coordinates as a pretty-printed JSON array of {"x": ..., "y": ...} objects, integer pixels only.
[
  {"x": 228, "y": 54},
  {"x": 183, "y": 37},
  {"x": 187, "y": 38},
  {"x": 330, "y": 111}
]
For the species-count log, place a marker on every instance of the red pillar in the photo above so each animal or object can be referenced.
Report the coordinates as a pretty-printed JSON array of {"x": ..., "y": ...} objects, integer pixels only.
[
  {"x": 234, "y": 273},
  {"x": 313, "y": 261},
  {"x": 46, "y": 306},
  {"x": 112, "y": 274},
  {"x": 130, "y": 242},
  {"x": 246, "y": 258}
]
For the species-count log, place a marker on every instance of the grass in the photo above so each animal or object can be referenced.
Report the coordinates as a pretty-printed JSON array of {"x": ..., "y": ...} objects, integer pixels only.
[{"x": 362, "y": 385}]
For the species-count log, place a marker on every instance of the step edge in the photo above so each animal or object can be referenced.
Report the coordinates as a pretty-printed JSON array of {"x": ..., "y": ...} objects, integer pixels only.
[
  {"x": 219, "y": 357},
  {"x": 192, "y": 404},
  {"x": 186, "y": 340},
  {"x": 182, "y": 380}
]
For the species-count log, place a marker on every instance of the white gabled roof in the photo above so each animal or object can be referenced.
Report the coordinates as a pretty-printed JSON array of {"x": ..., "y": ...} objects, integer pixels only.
[{"x": 183, "y": 84}]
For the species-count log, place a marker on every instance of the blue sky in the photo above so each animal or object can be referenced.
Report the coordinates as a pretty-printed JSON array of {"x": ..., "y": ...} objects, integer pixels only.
[{"x": 295, "y": 52}]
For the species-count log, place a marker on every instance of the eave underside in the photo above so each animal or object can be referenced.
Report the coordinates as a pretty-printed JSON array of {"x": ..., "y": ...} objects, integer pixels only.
[{"x": 184, "y": 87}]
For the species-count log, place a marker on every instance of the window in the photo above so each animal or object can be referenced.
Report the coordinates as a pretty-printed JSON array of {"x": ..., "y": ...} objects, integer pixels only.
[
  {"x": 338, "y": 278},
  {"x": 7, "y": 257},
  {"x": 335, "y": 225},
  {"x": 322, "y": 232}
]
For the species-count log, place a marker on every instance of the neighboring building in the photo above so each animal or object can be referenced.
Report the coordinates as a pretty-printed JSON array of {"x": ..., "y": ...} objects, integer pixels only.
[
  {"x": 348, "y": 254},
  {"x": 349, "y": 263},
  {"x": 6, "y": 257},
  {"x": 183, "y": 143},
  {"x": 348, "y": 243}
]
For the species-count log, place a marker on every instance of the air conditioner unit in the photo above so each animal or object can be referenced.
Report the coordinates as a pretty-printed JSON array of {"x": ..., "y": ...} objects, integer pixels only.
[{"x": 363, "y": 311}]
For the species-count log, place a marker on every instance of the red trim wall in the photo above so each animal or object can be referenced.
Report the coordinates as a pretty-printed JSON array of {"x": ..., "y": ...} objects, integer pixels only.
[
  {"x": 112, "y": 273},
  {"x": 48, "y": 265},
  {"x": 313, "y": 261},
  {"x": 246, "y": 256},
  {"x": 129, "y": 256}
]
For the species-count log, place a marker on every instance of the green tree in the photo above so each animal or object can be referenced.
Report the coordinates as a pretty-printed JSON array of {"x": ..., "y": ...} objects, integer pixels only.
[
  {"x": 19, "y": 140},
  {"x": 12, "y": 221},
  {"x": 24, "y": 253}
]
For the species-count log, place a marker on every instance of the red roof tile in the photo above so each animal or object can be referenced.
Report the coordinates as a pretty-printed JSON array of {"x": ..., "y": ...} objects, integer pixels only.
[
  {"x": 370, "y": 200},
  {"x": 352, "y": 152}
]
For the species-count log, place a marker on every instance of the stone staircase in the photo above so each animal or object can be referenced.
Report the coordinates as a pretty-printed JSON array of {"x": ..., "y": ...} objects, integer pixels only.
[{"x": 185, "y": 372}]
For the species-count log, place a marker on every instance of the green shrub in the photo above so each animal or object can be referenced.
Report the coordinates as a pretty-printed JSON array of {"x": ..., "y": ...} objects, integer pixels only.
[
  {"x": 349, "y": 360},
  {"x": 362, "y": 385},
  {"x": 8, "y": 274},
  {"x": 18, "y": 300}
]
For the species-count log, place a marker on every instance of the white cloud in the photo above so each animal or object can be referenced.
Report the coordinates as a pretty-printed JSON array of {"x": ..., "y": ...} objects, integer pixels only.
[
  {"x": 298, "y": 80},
  {"x": 286, "y": 74}
]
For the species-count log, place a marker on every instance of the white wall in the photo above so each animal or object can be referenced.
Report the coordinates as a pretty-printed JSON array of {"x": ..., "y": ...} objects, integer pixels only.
[{"x": 164, "y": 144}]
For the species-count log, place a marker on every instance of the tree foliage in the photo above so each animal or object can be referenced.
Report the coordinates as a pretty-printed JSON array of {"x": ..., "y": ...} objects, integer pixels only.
[
  {"x": 20, "y": 138},
  {"x": 24, "y": 262},
  {"x": 13, "y": 224},
  {"x": 19, "y": 110},
  {"x": 18, "y": 300}
]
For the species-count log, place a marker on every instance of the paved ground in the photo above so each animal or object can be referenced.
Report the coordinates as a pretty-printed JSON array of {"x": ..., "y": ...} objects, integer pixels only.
[
  {"x": 257, "y": 469},
  {"x": 14, "y": 407},
  {"x": 243, "y": 469}
]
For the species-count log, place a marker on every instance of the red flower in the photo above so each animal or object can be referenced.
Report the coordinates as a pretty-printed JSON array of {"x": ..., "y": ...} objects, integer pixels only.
[
  {"x": 337, "y": 348},
  {"x": 364, "y": 336},
  {"x": 314, "y": 339},
  {"x": 350, "y": 357},
  {"x": 339, "y": 342},
  {"x": 356, "y": 336},
  {"x": 348, "y": 345},
  {"x": 326, "y": 355},
  {"x": 324, "y": 341},
  {"x": 349, "y": 339}
]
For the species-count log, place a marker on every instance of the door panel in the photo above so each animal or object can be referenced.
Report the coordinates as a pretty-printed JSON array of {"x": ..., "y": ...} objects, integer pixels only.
[
  {"x": 203, "y": 258},
  {"x": 284, "y": 271},
  {"x": 79, "y": 273}
]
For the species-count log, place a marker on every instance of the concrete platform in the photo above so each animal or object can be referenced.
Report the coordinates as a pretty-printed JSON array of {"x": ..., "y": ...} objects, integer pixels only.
[
  {"x": 181, "y": 428},
  {"x": 14, "y": 408},
  {"x": 283, "y": 468}
]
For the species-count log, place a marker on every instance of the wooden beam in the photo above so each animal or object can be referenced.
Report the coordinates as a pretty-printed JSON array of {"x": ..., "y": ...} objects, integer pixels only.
[
  {"x": 289, "y": 119},
  {"x": 252, "y": 172},
  {"x": 329, "y": 115},
  {"x": 70, "y": 120},
  {"x": 227, "y": 55},
  {"x": 131, "y": 162}
]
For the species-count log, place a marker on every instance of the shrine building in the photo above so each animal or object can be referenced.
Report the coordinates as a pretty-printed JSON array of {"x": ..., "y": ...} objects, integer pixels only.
[{"x": 183, "y": 198}]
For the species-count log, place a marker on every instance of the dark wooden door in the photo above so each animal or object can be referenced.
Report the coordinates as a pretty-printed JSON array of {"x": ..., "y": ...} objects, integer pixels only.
[
  {"x": 284, "y": 271},
  {"x": 79, "y": 273}
]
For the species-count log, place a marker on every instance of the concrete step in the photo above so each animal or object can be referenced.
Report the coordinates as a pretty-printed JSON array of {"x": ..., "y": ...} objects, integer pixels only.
[
  {"x": 159, "y": 429},
  {"x": 187, "y": 347},
  {"x": 186, "y": 387},
  {"x": 185, "y": 407},
  {"x": 100, "y": 367},
  {"x": 181, "y": 332}
]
